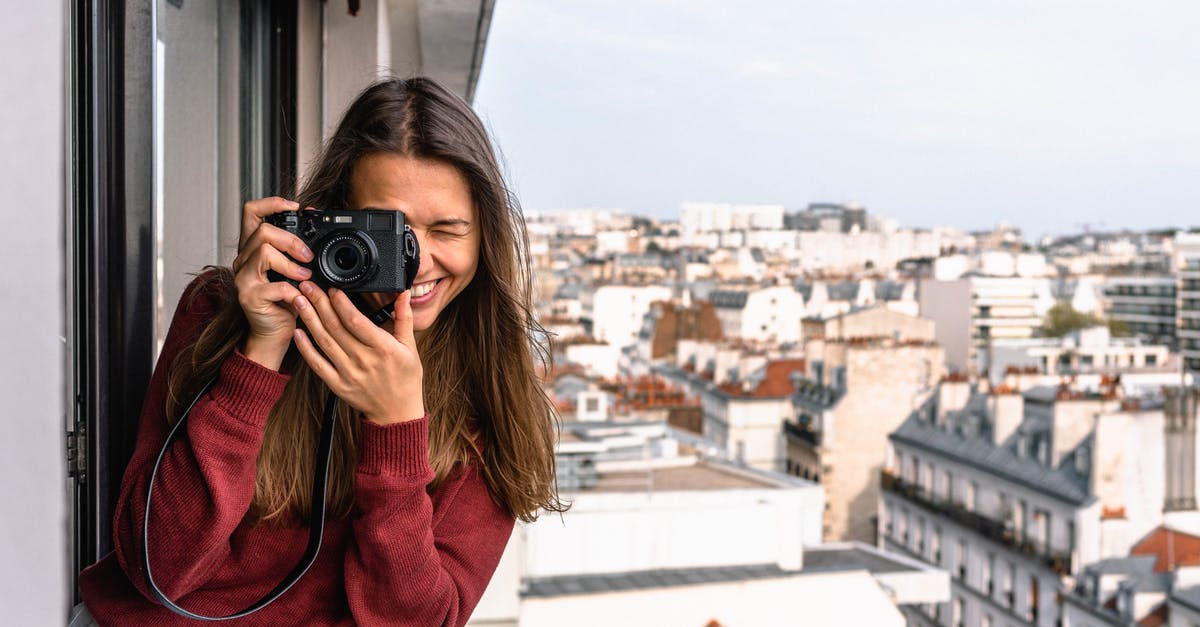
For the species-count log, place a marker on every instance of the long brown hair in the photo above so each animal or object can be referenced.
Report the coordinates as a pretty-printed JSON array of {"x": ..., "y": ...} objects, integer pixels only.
[{"x": 481, "y": 385}]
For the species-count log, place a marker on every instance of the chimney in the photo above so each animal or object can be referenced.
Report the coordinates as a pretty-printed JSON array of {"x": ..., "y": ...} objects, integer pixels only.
[
  {"x": 953, "y": 394},
  {"x": 1006, "y": 410}
]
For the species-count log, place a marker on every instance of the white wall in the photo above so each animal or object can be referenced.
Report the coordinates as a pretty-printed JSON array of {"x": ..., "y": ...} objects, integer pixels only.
[
  {"x": 33, "y": 581},
  {"x": 818, "y": 599},
  {"x": 617, "y": 311},
  {"x": 624, "y": 531}
]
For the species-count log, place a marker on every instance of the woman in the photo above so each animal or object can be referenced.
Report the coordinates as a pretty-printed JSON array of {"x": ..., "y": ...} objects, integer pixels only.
[{"x": 444, "y": 435}]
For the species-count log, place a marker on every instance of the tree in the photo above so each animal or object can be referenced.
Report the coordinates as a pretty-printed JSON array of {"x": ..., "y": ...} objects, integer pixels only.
[{"x": 1063, "y": 318}]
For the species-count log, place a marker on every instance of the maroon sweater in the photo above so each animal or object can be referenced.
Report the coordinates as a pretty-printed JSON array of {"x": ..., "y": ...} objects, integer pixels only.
[{"x": 406, "y": 556}]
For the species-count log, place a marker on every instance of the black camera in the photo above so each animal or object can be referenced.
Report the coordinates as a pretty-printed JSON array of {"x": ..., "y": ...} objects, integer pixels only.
[{"x": 367, "y": 250}]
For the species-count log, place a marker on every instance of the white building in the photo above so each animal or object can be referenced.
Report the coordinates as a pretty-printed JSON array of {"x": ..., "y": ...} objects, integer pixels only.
[
  {"x": 703, "y": 217},
  {"x": 1187, "y": 264},
  {"x": 617, "y": 311},
  {"x": 972, "y": 311},
  {"x": 1146, "y": 304},
  {"x": 767, "y": 314},
  {"x": 1012, "y": 493},
  {"x": 1086, "y": 351},
  {"x": 657, "y": 536}
]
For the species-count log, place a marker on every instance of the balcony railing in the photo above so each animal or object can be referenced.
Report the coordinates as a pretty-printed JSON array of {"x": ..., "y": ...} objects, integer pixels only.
[
  {"x": 802, "y": 432},
  {"x": 994, "y": 530}
]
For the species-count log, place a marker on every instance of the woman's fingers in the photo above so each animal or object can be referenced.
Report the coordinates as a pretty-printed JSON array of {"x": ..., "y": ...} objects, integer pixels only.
[
  {"x": 323, "y": 324},
  {"x": 402, "y": 325},
  {"x": 269, "y": 258},
  {"x": 320, "y": 366},
  {"x": 254, "y": 211},
  {"x": 353, "y": 320},
  {"x": 277, "y": 238}
]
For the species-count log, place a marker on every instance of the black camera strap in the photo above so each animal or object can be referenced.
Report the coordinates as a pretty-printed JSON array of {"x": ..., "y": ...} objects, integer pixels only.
[
  {"x": 379, "y": 316},
  {"x": 316, "y": 523}
]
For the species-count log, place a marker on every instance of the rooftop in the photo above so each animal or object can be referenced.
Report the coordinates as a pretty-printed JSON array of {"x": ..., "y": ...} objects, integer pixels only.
[
  {"x": 699, "y": 476},
  {"x": 1061, "y": 483},
  {"x": 1170, "y": 548},
  {"x": 818, "y": 559}
]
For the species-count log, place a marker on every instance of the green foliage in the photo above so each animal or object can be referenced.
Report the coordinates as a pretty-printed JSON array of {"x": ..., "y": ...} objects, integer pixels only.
[{"x": 1063, "y": 318}]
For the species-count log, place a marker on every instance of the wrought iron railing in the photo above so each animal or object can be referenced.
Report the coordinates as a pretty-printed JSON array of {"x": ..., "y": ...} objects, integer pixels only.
[{"x": 994, "y": 530}]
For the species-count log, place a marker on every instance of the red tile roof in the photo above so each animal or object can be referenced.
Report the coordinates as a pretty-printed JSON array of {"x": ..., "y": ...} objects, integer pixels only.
[
  {"x": 776, "y": 382},
  {"x": 1173, "y": 548}
]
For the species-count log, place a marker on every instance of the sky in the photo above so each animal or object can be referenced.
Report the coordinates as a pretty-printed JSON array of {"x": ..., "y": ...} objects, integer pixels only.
[{"x": 1053, "y": 115}]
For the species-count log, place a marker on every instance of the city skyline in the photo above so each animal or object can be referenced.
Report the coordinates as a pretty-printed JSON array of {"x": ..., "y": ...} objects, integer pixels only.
[{"x": 936, "y": 115}]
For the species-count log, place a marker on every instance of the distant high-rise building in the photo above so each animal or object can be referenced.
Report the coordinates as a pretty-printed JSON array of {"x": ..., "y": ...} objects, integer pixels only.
[
  {"x": 1145, "y": 304},
  {"x": 971, "y": 312},
  {"x": 827, "y": 217},
  {"x": 1187, "y": 264}
]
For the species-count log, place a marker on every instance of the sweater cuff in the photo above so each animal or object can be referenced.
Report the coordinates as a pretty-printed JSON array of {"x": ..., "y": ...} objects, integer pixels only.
[
  {"x": 396, "y": 449},
  {"x": 248, "y": 390}
]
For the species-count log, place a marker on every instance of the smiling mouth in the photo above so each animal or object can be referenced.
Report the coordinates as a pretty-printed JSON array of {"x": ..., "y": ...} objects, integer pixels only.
[{"x": 422, "y": 289}]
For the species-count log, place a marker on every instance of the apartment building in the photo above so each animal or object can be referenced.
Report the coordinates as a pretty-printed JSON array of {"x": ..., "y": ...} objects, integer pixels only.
[
  {"x": 744, "y": 394},
  {"x": 867, "y": 371},
  {"x": 1091, "y": 350},
  {"x": 1013, "y": 492},
  {"x": 617, "y": 311},
  {"x": 763, "y": 314},
  {"x": 658, "y": 536},
  {"x": 1187, "y": 264},
  {"x": 972, "y": 312},
  {"x": 1145, "y": 304},
  {"x": 1156, "y": 584}
]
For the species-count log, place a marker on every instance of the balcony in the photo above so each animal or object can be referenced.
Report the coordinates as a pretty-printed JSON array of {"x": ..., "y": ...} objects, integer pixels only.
[
  {"x": 993, "y": 530},
  {"x": 803, "y": 433}
]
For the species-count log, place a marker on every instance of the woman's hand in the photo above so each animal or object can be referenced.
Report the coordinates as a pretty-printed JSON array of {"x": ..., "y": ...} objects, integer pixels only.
[
  {"x": 267, "y": 304},
  {"x": 376, "y": 372}
]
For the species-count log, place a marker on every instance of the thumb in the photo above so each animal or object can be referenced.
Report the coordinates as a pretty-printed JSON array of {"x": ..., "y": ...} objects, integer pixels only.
[{"x": 402, "y": 325}]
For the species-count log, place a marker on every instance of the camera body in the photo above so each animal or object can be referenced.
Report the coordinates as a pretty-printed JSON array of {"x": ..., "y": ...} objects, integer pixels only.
[{"x": 367, "y": 250}]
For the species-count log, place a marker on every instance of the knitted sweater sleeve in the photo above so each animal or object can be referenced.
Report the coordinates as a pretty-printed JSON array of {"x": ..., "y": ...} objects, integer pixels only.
[
  {"x": 206, "y": 481},
  {"x": 415, "y": 559}
]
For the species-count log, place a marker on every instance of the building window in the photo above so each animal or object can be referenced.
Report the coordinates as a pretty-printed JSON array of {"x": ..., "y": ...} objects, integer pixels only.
[
  {"x": 958, "y": 612},
  {"x": 1041, "y": 529},
  {"x": 1151, "y": 360},
  {"x": 989, "y": 575},
  {"x": 935, "y": 545},
  {"x": 972, "y": 494},
  {"x": 960, "y": 560},
  {"x": 919, "y": 536},
  {"x": 1009, "y": 584},
  {"x": 1032, "y": 613},
  {"x": 947, "y": 486},
  {"x": 1018, "y": 521}
]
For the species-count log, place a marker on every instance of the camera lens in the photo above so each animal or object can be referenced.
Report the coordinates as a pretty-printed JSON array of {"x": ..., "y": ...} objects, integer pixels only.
[{"x": 345, "y": 259}]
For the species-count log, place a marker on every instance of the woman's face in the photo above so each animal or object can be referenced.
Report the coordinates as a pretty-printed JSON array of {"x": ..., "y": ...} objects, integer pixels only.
[{"x": 436, "y": 202}]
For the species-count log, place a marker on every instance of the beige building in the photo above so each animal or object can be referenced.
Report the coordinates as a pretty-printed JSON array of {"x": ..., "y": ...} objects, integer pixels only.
[{"x": 867, "y": 371}]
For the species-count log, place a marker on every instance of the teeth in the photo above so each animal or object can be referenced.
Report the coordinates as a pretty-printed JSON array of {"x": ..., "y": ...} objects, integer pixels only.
[{"x": 422, "y": 289}]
